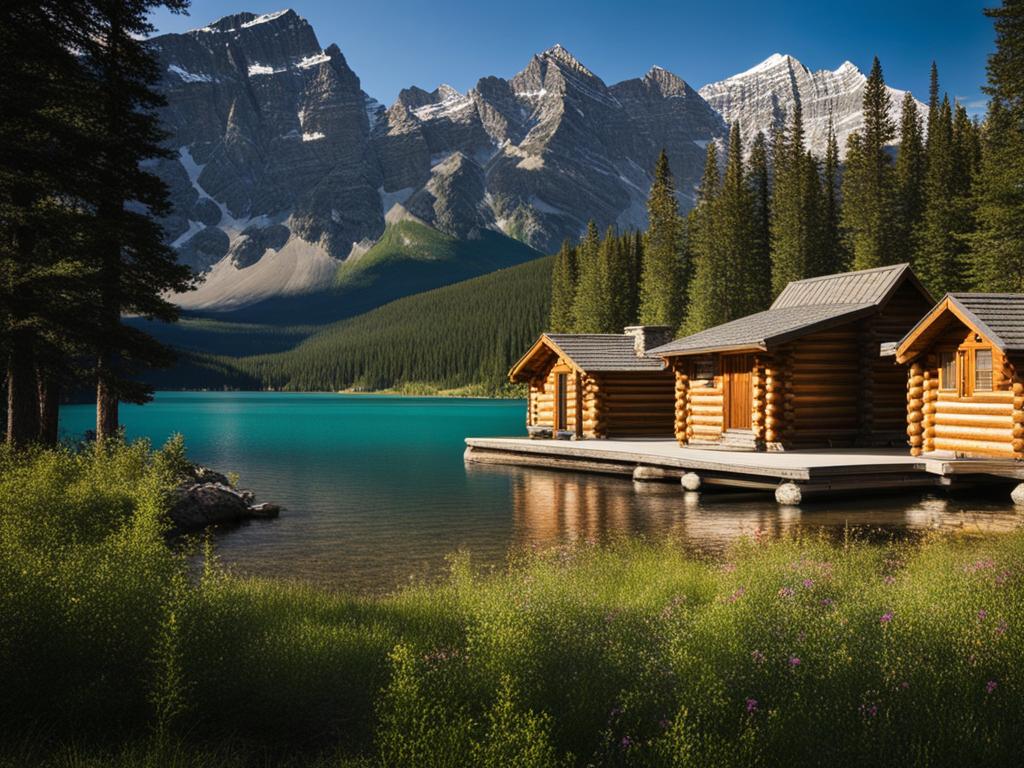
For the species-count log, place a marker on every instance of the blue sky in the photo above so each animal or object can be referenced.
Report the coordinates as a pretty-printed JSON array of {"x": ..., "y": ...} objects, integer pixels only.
[{"x": 395, "y": 43}]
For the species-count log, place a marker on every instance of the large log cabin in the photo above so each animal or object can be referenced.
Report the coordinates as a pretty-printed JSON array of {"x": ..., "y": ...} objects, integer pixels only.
[
  {"x": 807, "y": 372},
  {"x": 596, "y": 385},
  {"x": 965, "y": 385}
]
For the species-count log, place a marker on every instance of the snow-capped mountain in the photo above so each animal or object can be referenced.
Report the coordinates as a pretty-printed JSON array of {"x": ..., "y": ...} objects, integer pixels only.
[
  {"x": 284, "y": 167},
  {"x": 762, "y": 97}
]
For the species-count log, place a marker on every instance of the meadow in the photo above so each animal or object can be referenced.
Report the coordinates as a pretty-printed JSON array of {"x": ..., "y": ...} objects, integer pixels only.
[{"x": 121, "y": 648}]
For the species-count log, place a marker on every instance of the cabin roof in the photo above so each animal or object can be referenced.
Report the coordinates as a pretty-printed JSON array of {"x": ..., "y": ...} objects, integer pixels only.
[
  {"x": 763, "y": 329},
  {"x": 999, "y": 317},
  {"x": 804, "y": 306},
  {"x": 590, "y": 352}
]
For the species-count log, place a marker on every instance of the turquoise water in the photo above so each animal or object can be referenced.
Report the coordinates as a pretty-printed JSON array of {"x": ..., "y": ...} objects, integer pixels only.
[{"x": 376, "y": 492}]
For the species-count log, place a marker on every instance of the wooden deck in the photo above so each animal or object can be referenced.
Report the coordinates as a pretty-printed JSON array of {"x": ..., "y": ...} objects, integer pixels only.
[{"x": 812, "y": 472}]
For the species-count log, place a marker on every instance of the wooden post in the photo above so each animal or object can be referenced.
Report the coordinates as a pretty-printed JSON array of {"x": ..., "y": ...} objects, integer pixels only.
[
  {"x": 758, "y": 414},
  {"x": 682, "y": 403},
  {"x": 773, "y": 403},
  {"x": 596, "y": 422},
  {"x": 1018, "y": 418},
  {"x": 915, "y": 408},
  {"x": 931, "y": 398},
  {"x": 578, "y": 391}
]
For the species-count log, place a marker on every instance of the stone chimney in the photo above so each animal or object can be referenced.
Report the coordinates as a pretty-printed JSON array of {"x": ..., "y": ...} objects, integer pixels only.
[{"x": 647, "y": 337}]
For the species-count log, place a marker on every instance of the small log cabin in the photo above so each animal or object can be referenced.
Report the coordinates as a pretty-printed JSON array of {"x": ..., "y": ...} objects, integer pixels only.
[
  {"x": 595, "y": 385},
  {"x": 965, "y": 385},
  {"x": 807, "y": 372}
]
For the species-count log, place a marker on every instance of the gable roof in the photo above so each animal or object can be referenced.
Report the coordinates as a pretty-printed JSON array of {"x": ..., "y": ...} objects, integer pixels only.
[
  {"x": 804, "y": 306},
  {"x": 589, "y": 352},
  {"x": 999, "y": 317},
  {"x": 868, "y": 286}
]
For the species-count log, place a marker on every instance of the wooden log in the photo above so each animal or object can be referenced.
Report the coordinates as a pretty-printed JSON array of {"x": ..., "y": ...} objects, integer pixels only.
[
  {"x": 971, "y": 420},
  {"x": 976, "y": 447},
  {"x": 967, "y": 406},
  {"x": 984, "y": 434}
]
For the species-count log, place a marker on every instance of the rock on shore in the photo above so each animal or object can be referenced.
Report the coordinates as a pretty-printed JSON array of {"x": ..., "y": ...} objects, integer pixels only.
[{"x": 207, "y": 498}]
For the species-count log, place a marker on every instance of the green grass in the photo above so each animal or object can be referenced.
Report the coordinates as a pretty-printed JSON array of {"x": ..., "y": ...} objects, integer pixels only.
[{"x": 117, "y": 649}]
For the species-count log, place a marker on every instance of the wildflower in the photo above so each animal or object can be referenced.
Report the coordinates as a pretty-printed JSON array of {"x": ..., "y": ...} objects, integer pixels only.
[
  {"x": 664, "y": 723},
  {"x": 982, "y": 614},
  {"x": 728, "y": 567},
  {"x": 827, "y": 602},
  {"x": 737, "y": 594},
  {"x": 757, "y": 657},
  {"x": 786, "y": 592},
  {"x": 904, "y": 685},
  {"x": 751, "y": 706},
  {"x": 886, "y": 617},
  {"x": 889, "y": 579},
  {"x": 869, "y": 710},
  {"x": 990, "y": 686},
  {"x": 1001, "y": 627},
  {"x": 1002, "y": 578},
  {"x": 808, "y": 583},
  {"x": 626, "y": 742},
  {"x": 794, "y": 661}
]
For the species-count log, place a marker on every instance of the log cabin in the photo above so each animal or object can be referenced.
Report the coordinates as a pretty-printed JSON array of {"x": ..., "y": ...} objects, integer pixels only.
[
  {"x": 597, "y": 385},
  {"x": 965, "y": 377},
  {"x": 807, "y": 372}
]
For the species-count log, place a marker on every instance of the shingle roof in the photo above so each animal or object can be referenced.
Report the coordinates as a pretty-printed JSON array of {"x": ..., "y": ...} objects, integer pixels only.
[
  {"x": 1000, "y": 316},
  {"x": 603, "y": 352},
  {"x": 802, "y": 307},
  {"x": 869, "y": 286},
  {"x": 761, "y": 330}
]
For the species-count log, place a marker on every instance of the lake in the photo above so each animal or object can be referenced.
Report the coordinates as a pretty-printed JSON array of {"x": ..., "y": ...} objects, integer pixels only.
[{"x": 376, "y": 492}]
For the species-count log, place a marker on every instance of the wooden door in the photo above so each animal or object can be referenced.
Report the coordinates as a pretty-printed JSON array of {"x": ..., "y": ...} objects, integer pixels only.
[
  {"x": 737, "y": 391},
  {"x": 562, "y": 402}
]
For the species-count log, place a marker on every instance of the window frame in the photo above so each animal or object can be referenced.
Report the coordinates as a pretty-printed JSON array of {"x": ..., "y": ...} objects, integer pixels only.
[{"x": 954, "y": 385}]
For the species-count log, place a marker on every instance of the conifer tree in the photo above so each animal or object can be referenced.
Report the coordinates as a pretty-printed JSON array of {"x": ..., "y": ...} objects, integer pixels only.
[
  {"x": 794, "y": 241},
  {"x": 705, "y": 289},
  {"x": 134, "y": 267},
  {"x": 940, "y": 253},
  {"x": 910, "y": 178},
  {"x": 664, "y": 273},
  {"x": 619, "y": 285},
  {"x": 997, "y": 243},
  {"x": 833, "y": 253},
  {"x": 563, "y": 290},
  {"x": 760, "y": 185},
  {"x": 591, "y": 305},
  {"x": 869, "y": 214}
]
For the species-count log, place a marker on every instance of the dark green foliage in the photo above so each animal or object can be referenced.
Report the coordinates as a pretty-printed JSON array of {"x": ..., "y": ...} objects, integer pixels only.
[
  {"x": 708, "y": 290},
  {"x": 462, "y": 335},
  {"x": 564, "y": 276},
  {"x": 795, "y": 242},
  {"x": 911, "y": 163},
  {"x": 591, "y": 308},
  {"x": 833, "y": 250},
  {"x": 759, "y": 180},
  {"x": 619, "y": 268},
  {"x": 665, "y": 271},
  {"x": 870, "y": 210}
]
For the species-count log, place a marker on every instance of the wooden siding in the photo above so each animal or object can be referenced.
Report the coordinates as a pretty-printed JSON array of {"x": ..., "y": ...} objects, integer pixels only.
[{"x": 634, "y": 404}]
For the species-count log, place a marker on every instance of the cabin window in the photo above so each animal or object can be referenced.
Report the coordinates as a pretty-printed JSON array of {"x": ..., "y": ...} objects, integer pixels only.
[
  {"x": 704, "y": 369},
  {"x": 983, "y": 370},
  {"x": 947, "y": 370}
]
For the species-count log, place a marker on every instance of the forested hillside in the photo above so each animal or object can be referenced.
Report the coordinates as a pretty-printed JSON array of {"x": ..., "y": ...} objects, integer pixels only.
[{"x": 461, "y": 335}]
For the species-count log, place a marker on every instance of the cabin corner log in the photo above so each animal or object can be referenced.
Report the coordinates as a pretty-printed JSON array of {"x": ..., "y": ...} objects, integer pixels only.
[
  {"x": 681, "y": 405},
  {"x": 915, "y": 408}
]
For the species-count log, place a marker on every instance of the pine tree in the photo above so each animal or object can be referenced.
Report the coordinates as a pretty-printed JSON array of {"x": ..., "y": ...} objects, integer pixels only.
[
  {"x": 591, "y": 306},
  {"x": 869, "y": 216},
  {"x": 940, "y": 254},
  {"x": 706, "y": 289},
  {"x": 794, "y": 224},
  {"x": 760, "y": 185},
  {"x": 563, "y": 290},
  {"x": 134, "y": 267},
  {"x": 833, "y": 252},
  {"x": 910, "y": 178},
  {"x": 664, "y": 273},
  {"x": 616, "y": 266},
  {"x": 997, "y": 243},
  {"x": 43, "y": 166}
]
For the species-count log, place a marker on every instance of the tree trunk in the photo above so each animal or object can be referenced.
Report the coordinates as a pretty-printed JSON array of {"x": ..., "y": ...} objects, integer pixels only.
[
  {"x": 106, "y": 401},
  {"x": 49, "y": 408},
  {"x": 22, "y": 403}
]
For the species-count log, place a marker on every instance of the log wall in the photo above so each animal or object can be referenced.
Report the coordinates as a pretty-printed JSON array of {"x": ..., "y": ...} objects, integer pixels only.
[
  {"x": 541, "y": 402},
  {"x": 634, "y": 404},
  {"x": 823, "y": 388},
  {"x": 705, "y": 408}
]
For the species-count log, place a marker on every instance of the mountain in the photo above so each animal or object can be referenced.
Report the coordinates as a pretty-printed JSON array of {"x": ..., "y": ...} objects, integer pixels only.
[
  {"x": 285, "y": 173},
  {"x": 762, "y": 97},
  {"x": 285, "y": 169}
]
